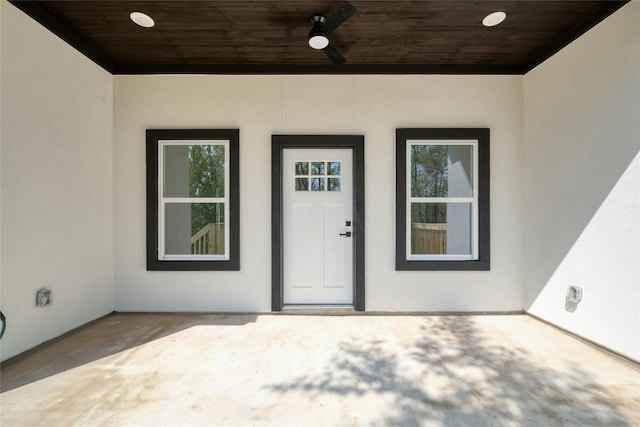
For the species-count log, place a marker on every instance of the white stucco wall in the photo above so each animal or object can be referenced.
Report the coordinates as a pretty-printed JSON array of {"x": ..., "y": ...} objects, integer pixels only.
[
  {"x": 57, "y": 211},
  {"x": 373, "y": 106},
  {"x": 582, "y": 184},
  {"x": 1, "y": 7}
]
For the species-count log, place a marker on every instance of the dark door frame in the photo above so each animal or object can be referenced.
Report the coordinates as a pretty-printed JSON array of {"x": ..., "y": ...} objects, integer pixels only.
[{"x": 278, "y": 144}]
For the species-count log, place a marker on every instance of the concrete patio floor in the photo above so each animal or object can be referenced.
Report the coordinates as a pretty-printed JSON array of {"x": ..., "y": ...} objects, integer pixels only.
[{"x": 306, "y": 370}]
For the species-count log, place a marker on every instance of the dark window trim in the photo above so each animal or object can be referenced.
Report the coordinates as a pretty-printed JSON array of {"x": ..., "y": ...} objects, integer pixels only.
[
  {"x": 482, "y": 136},
  {"x": 278, "y": 144},
  {"x": 155, "y": 135}
]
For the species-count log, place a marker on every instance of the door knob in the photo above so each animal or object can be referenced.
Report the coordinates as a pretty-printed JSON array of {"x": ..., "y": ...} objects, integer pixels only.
[{"x": 346, "y": 234}]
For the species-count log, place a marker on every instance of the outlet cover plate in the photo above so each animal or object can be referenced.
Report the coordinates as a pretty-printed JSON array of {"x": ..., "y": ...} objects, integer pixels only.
[
  {"x": 574, "y": 293},
  {"x": 43, "y": 297}
]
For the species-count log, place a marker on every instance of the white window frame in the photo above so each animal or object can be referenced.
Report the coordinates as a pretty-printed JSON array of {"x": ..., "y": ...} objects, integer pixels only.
[
  {"x": 162, "y": 201},
  {"x": 473, "y": 143}
]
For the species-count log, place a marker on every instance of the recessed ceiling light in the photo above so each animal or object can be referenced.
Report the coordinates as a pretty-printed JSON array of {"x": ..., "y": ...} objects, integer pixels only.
[
  {"x": 493, "y": 19},
  {"x": 142, "y": 19}
]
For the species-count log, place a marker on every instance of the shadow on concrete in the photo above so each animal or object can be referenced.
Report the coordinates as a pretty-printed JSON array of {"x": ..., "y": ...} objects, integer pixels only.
[
  {"x": 451, "y": 376},
  {"x": 104, "y": 337}
]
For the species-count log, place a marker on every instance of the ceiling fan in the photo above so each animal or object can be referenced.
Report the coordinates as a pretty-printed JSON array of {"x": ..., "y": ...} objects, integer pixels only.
[{"x": 318, "y": 37}]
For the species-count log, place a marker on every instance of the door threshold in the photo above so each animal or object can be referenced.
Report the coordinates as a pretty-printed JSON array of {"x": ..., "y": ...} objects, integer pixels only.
[{"x": 319, "y": 309}]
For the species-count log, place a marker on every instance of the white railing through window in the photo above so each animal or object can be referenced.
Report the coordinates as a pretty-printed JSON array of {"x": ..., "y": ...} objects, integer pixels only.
[{"x": 209, "y": 240}]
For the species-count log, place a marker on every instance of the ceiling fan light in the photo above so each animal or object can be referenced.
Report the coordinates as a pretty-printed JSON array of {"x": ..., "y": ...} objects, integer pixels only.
[
  {"x": 318, "y": 40},
  {"x": 493, "y": 19}
]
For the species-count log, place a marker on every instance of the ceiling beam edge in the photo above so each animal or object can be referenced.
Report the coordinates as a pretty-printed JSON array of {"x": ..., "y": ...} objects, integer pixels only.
[
  {"x": 32, "y": 9},
  {"x": 576, "y": 31},
  {"x": 272, "y": 69}
]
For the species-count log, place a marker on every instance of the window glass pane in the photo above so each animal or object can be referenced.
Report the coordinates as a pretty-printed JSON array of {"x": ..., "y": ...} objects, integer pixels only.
[
  {"x": 302, "y": 184},
  {"x": 317, "y": 168},
  {"x": 193, "y": 170},
  {"x": 441, "y": 170},
  {"x": 302, "y": 168},
  {"x": 333, "y": 168},
  {"x": 317, "y": 184},
  {"x": 334, "y": 184},
  {"x": 441, "y": 228},
  {"x": 194, "y": 228}
]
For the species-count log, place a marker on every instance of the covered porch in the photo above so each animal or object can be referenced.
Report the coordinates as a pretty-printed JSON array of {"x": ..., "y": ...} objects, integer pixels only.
[{"x": 318, "y": 370}]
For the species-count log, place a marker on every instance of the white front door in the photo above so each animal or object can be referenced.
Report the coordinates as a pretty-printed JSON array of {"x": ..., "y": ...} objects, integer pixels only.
[{"x": 317, "y": 226}]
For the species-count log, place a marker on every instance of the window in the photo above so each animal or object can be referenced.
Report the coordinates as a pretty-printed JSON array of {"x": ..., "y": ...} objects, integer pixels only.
[
  {"x": 318, "y": 176},
  {"x": 442, "y": 210},
  {"x": 192, "y": 199}
]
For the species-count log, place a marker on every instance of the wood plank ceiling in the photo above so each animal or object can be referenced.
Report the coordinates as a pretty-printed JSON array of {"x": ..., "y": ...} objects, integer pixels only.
[{"x": 382, "y": 37}]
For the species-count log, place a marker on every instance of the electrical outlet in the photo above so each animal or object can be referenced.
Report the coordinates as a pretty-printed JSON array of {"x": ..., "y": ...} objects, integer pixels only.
[
  {"x": 43, "y": 297},
  {"x": 574, "y": 294}
]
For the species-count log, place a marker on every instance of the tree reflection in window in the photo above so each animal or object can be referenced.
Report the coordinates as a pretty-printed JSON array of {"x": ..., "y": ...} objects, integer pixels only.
[
  {"x": 429, "y": 171},
  {"x": 429, "y": 178},
  {"x": 206, "y": 179}
]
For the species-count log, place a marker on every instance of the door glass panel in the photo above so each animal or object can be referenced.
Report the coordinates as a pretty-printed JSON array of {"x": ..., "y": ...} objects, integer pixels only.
[
  {"x": 439, "y": 170},
  {"x": 193, "y": 170},
  {"x": 317, "y": 168},
  {"x": 334, "y": 184},
  {"x": 302, "y": 184},
  {"x": 302, "y": 168},
  {"x": 324, "y": 176},
  {"x": 333, "y": 168},
  {"x": 194, "y": 228},
  {"x": 317, "y": 184},
  {"x": 441, "y": 228}
]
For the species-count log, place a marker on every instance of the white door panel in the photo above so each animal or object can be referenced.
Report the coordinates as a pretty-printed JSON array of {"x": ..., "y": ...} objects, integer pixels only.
[
  {"x": 334, "y": 247},
  {"x": 317, "y": 206},
  {"x": 302, "y": 251}
]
